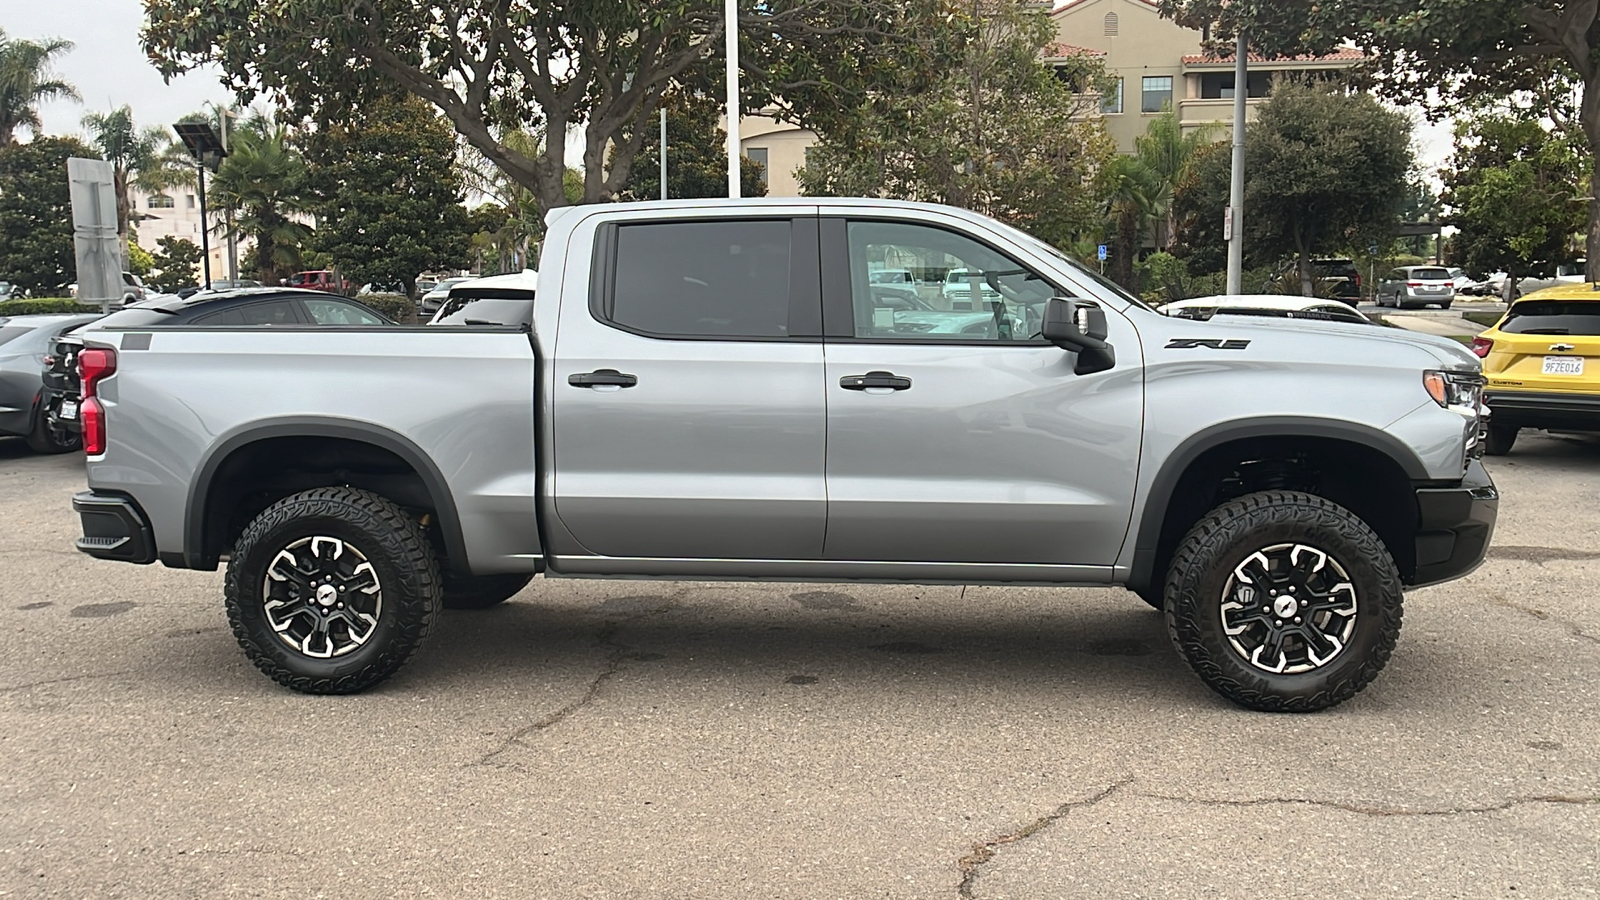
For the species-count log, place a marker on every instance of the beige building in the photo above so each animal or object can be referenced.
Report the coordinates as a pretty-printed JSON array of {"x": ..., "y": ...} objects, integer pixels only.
[
  {"x": 1155, "y": 62},
  {"x": 779, "y": 146},
  {"x": 176, "y": 213}
]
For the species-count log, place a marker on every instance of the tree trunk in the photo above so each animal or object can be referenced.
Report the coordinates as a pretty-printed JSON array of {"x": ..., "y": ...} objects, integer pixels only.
[{"x": 1303, "y": 266}]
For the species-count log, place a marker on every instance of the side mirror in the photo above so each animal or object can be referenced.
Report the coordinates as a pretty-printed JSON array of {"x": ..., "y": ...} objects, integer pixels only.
[{"x": 1079, "y": 326}]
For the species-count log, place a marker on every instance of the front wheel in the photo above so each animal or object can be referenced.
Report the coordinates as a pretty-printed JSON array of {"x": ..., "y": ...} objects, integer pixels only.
[
  {"x": 331, "y": 590},
  {"x": 1284, "y": 602},
  {"x": 1497, "y": 439}
]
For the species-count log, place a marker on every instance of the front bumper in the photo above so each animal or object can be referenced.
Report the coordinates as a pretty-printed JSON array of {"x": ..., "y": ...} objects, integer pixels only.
[
  {"x": 114, "y": 527},
  {"x": 1454, "y": 525},
  {"x": 1535, "y": 409}
]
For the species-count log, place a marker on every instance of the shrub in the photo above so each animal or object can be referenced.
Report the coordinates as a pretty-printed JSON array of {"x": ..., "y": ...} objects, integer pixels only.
[
  {"x": 398, "y": 307},
  {"x": 44, "y": 305}
]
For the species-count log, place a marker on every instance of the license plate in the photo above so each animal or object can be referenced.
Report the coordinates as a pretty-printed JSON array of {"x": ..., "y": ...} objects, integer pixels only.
[
  {"x": 1563, "y": 365},
  {"x": 69, "y": 409}
]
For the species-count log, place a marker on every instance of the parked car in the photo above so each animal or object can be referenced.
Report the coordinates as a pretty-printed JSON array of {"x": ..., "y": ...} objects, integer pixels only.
[
  {"x": 958, "y": 287},
  {"x": 318, "y": 280},
  {"x": 240, "y": 307},
  {"x": 677, "y": 412},
  {"x": 1416, "y": 286},
  {"x": 1542, "y": 360},
  {"x": 493, "y": 300},
  {"x": 896, "y": 287},
  {"x": 1269, "y": 305},
  {"x": 26, "y": 409},
  {"x": 133, "y": 289},
  {"x": 5, "y": 290},
  {"x": 429, "y": 305},
  {"x": 218, "y": 285}
]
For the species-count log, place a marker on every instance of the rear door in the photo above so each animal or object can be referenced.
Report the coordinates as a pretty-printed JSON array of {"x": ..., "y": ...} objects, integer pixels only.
[
  {"x": 687, "y": 394},
  {"x": 956, "y": 436},
  {"x": 1548, "y": 345}
]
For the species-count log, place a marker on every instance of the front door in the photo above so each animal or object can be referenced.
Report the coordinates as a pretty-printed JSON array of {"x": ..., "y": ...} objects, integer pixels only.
[
  {"x": 688, "y": 401},
  {"x": 954, "y": 435}
]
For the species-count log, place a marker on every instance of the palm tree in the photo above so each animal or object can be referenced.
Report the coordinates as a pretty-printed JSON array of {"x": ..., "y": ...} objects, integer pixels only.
[
  {"x": 147, "y": 159},
  {"x": 25, "y": 82},
  {"x": 1166, "y": 152},
  {"x": 263, "y": 181},
  {"x": 1132, "y": 192}
]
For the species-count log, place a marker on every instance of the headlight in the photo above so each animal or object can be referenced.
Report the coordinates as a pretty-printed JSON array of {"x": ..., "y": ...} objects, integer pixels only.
[{"x": 1460, "y": 392}]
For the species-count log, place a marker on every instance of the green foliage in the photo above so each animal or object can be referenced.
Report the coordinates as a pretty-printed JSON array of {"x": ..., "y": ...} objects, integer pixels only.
[
  {"x": 177, "y": 264},
  {"x": 36, "y": 252},
  {"x": 146, "y": 158},
  {"x": 1323, "y": 170},
  {"x": 996, "y": 132},
  {"x": 398, "y": 307},
  {"x": 1517, "y": 193},
  {"x": 697, "y": 155},
  {"x": 497, "y": 67},
  {"x": 41, "y": 306},
  {"x": 139, "y": 260},
  {"x": 389, "y": 196},
  {"x": 263, "y": 182},
  {"x": 1166, "y": 279},
  {"x": 25, "y": 82}
]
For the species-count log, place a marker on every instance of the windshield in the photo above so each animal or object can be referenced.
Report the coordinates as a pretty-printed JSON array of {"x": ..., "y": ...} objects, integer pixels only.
[
  {"x": 1578, "y": 317},
  {"x": 1430, "y": 274}
]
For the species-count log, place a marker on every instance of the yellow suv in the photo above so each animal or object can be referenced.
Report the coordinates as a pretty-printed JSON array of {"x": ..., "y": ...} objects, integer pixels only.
[{"x": 1542, "y": 360}]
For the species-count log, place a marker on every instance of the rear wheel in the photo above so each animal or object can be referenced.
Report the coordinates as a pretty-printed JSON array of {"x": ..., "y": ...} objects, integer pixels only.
[
  {"x": 482, "y": 591},
  {"x": 331, "y": 590},
  {"x": 1499, "y": 438},
  {"x": 48, "y": 438},
  {"x": 1284, "y": 601}
]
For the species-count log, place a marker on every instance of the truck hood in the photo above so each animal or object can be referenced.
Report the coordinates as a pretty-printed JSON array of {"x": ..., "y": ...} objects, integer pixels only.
[{"x": 1327, "y": 337}]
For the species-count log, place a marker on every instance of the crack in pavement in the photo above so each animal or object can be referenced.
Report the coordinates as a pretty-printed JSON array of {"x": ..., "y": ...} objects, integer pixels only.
[
  {"x": 33, "y": 684},
  {"x": 1541, "y": 555},
  {"x": 1571, "y": 627},
  {"x": 614, "y": 660},
  {"x": 1384, "y": 811},
  {"x": 981, "y": 853}
]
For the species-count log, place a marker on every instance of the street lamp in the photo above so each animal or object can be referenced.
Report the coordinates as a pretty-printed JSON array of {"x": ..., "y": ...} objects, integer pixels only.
[{"x": 208, "y": 152}]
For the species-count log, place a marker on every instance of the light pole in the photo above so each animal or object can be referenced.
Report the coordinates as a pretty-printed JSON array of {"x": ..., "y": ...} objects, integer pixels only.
[
  {"x": 208, "y": 152},
  {"x": 730, "y": 15},
  {"x": 1235, "y": 223}
]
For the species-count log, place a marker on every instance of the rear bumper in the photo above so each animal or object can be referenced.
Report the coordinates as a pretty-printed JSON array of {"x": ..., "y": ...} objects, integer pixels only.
[
  {"x": 1532, "y": 409},
  {"x": 114, "y": 527},
  {"x": 1454, "y": 525}
]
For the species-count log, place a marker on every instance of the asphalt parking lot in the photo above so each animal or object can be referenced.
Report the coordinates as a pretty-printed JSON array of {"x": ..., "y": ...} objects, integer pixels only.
[{"x": 639, "y": 739}]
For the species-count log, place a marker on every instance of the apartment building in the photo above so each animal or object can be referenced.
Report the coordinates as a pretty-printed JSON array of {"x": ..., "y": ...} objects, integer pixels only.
[
  {"x": 1154, "y": 62},
  {"x": 176, "y": 213}
]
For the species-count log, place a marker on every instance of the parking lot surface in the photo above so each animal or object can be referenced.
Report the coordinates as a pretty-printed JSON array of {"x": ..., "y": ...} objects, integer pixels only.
[{"x": 641, "y": 739}]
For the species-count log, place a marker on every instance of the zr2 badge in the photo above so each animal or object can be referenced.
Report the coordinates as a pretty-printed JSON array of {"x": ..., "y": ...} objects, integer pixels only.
[{"x": 1209, "y": 343}]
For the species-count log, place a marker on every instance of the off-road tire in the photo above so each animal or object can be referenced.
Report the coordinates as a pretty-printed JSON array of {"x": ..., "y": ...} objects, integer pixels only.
[
  {"x": 482, "y": 591},
  {"x": 402, "y": 561},
  {"x": 1223, "y": 539},
  {"x": 1498, "y": 439}
]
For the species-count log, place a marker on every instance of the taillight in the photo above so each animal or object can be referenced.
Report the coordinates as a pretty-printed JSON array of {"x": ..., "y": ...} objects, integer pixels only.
[
  {"x": 1481, "y": 347},
  {"x": 1413, "y": 284},
  {"x": 1358, "y": 279},
  {"x": 94, "y": 363}
]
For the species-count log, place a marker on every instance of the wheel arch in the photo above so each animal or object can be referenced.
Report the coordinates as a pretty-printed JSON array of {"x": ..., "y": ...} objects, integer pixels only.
[
  {"x": 204, "y": 521},
  {"x": 1166, "y": 517}
]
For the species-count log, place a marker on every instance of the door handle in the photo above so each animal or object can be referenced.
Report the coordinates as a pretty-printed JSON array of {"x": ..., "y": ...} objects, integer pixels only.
[
  {"x": 875, "y": 380},
  {"x": 603, "y": 378}
]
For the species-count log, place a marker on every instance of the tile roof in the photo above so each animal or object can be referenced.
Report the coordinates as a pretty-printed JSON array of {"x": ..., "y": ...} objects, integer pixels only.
[
  {"x": 1343, "y": 53},
  {"x": 1058, "y": 50}
]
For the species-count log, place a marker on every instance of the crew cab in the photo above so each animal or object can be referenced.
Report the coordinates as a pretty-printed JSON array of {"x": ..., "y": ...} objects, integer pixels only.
[{"x": 708, "y": 390}]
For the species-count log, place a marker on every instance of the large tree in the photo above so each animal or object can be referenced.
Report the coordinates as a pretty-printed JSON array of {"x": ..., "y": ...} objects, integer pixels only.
[
  {"x": 263, "y": 180},
  {"x": 177, "y": 264},
  {"x": 506, "y": 64},
  {"x": 26, "y": 81},
  {"x": 999, "y": 132},
  {"x": 389, "y": 194},
  {"x": 1437, "y": 52},
  {"x": 1515, "y": 189},
  {"x": 1323, "y": 171},
  {"x": 36, "y": 252},
  {"x": 697, "y": 154}
]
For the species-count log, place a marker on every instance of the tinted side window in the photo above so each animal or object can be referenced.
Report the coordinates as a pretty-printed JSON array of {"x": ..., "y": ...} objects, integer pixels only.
[
  {"x": 270, "y": 312},
  {"x": 334, "y": 312},
  {"x": 711, "y": 279}
]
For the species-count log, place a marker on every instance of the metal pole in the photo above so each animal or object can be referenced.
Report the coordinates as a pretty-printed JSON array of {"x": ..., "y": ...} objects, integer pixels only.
[
  {"x": 233, "y": 247},
  {"x": 730, "y": 15},
  {"x": 1241, "y": 88},
  {"x": 663, "y": 153},
  {"x": 205, "y": 241}
]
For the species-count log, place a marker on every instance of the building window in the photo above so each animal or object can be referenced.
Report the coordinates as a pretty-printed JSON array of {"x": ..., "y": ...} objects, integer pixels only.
[
  {"x": 1219, "y": 85},
  {"x": 161, "y": 201},
  {"x": 1111, "y": 24},
  {"x": 191, "y": 198},
  {"x": 1157, "y": 93},
  {"x": 759, "y": 154},
  {"x": 1111, "y": 102}
]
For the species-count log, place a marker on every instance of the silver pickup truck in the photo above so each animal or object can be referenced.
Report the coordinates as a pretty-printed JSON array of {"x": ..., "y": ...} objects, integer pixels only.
[{"x": 716, "y": 390}]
